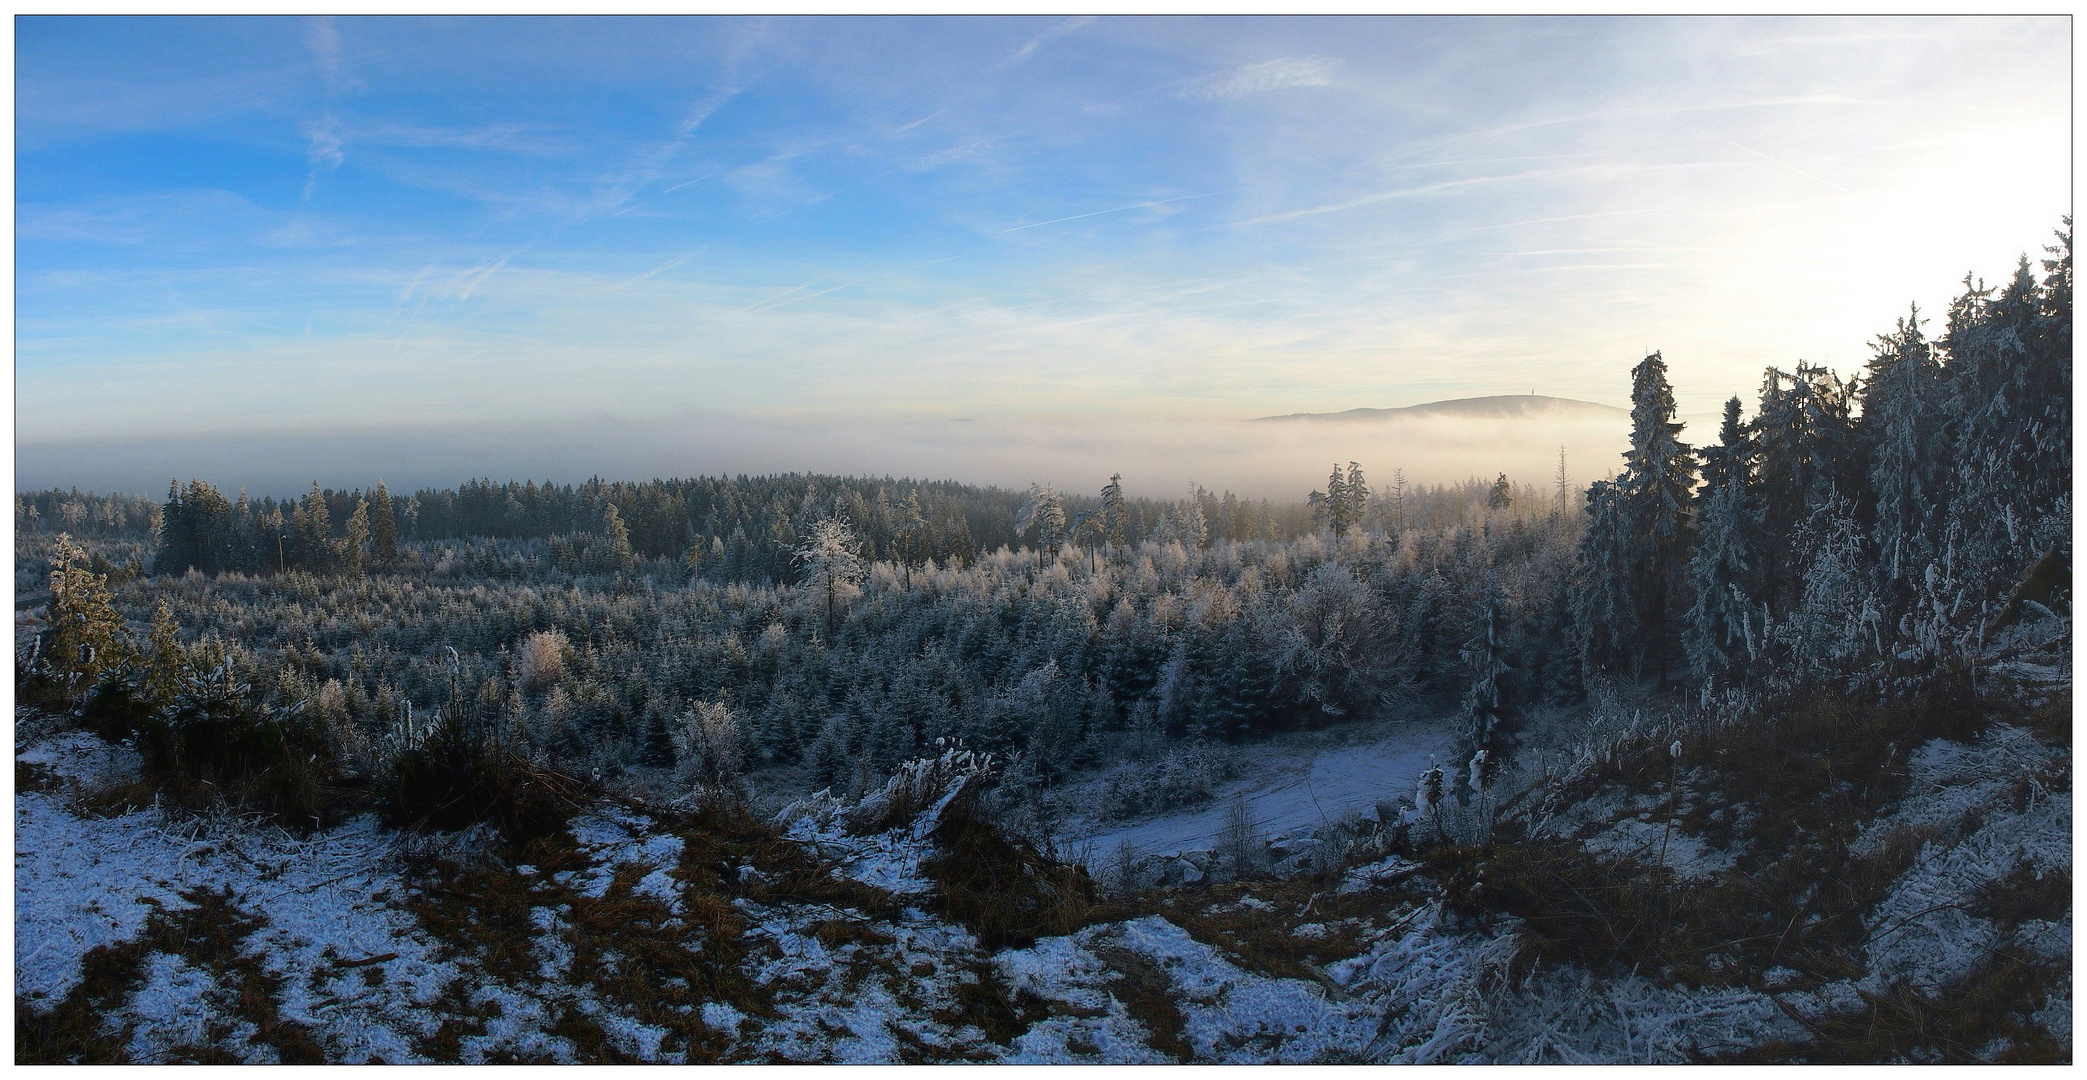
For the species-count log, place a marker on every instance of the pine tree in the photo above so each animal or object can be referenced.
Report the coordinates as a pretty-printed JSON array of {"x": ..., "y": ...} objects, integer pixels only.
[
  {"x": 1723, "y": 631},
  {"x": 87, "y": 636},
  {"x": 1115, "y": 516},
  {"x": 1906, "y": 433},
  {"x": 910, "y": 535},
  {"x": 1653, "y": 511},
  {"x": 1501, "y": 496},
  {"x": 384, "y": 531},
  {"x": 1043, "y": 512},
  {"x": 353, "y": 545},
  {"x": 1357, "y": 493}
]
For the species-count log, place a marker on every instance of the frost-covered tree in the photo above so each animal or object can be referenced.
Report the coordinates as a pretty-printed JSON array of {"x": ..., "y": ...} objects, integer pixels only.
[
  {"x": 1486, "y": 653},
  {"x": 2010, "y": 370},
  {"x": 1602, "y": 603},
  {"x": 1835, "y": 621},
  {"x": 1043, "y": 513},
  {"x": 707, "y": 743},
  {"x": 1357, "y": 492},
  {"x": 87, "y": 636},
  {"x": 355, "y": 538},
  {"x": 1807, "y": 455},
  {"x": 832, "y": 563},
  {"x": 1653, "y": 503},
  {"x": 1115, "y": 514},
  {"x": 1331, "y": 509},
  {"x": 384, "y": 530},
  {"x": 1724, "y": 622},
  {"x": 1906, "y": 433}
]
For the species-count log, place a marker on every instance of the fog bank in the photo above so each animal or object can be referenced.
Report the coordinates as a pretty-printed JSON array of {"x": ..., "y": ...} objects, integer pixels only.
[{"x": 1278, "y": 461}]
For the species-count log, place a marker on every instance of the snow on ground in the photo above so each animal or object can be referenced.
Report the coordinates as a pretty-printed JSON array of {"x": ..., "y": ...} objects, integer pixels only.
[
  {"x": 82, "y": 882},
  {"x": 361, "y": 973},
  {"x": 1228, "y": 1014},
  {"x": 1658, "y": 842},
  {"x": 1290, "y": 788},
  {"x": 613, "y": 838},
  {"x": 2019, "y": 812}
]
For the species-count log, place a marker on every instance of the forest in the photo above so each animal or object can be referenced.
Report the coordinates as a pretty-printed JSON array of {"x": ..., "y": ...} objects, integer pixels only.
[
  {"x": 841, "y": 625},
  {"x": 1728, "y": 722}
]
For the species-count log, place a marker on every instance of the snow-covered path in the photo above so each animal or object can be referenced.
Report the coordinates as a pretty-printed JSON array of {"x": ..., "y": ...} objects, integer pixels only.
[{"x": 1288, "y": 789}]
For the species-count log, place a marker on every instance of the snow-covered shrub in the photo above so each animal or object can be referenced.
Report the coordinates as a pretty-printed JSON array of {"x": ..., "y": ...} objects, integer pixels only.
[
  {"x": 1186, "y": 775},
  {"x": 454, "y": 771},
  {"x": 540, "y": 662},
  {"x": 921, "y": 791},
  {"x": 1240, "y": 842},
  {"x": 707, "y": 752},
  {"x": 217, "y": 740}
]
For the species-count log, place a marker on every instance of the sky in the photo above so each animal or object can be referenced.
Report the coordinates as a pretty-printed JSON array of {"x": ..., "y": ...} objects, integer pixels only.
[{"x": 435, "y": 248}]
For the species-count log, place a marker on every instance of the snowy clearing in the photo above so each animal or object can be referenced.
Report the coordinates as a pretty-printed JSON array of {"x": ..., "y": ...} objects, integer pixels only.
[{"x": 1291, "y": 786}]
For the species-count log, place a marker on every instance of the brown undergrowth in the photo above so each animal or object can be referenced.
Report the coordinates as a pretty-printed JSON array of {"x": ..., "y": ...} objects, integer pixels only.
[{"x": 210, "y": 934}]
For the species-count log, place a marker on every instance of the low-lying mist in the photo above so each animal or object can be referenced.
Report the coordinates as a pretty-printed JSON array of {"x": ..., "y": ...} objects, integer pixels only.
[{"x": 1277, "y": 460}]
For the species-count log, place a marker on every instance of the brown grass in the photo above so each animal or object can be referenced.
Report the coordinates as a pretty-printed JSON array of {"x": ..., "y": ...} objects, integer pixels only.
[
  {"x": 1147, "y": 994},
  {"x": 210, "y": 934},
  {"x": 1002, "y": 888},
  {"x": 1955, "y": 1024}
]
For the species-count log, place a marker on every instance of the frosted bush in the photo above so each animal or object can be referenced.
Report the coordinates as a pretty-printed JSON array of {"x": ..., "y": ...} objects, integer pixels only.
[{"x": 540, "y": 663}]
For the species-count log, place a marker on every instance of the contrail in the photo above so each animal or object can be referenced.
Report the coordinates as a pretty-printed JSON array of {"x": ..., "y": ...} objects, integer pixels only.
[{"x": 1117, "y": 210}]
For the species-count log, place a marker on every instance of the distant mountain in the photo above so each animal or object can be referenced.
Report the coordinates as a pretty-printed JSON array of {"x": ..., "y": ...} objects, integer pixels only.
[{"x": 1501, "y": 407}]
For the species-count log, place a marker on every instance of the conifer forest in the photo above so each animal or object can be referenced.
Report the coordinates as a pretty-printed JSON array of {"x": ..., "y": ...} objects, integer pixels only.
[
  {"x": 1851, "y": 566},
  {"x": 1072, "y": 540}
]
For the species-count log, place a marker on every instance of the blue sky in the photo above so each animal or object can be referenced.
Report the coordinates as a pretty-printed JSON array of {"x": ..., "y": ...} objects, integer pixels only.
[{"x": 254, "y": 228}]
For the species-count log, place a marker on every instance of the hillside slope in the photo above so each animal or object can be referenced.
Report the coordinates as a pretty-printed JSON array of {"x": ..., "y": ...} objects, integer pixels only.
[{"x": 1838, "y": 881}]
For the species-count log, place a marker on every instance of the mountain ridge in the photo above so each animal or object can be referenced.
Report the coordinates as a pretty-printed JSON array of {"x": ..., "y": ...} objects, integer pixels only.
[{"x": 1497, "y": 406}]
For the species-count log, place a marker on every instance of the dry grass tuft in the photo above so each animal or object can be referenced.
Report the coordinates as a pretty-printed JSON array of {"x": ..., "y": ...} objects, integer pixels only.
[
  {"x": 1002, "y": 888},
  {"x": 1147, "y": 994}
]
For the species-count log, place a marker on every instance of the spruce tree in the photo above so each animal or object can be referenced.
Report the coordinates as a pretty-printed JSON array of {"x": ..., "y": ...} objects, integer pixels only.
[
  {"x": 176, "y": 543},
  {"x": 315, "y": 540},
  {"x": 1808, "y": 456},
  {"x": 1723, "y": 631},
  {"x": 1601, "y": 598},
  {"x": 384, "y": 530},
  {"x": 1905, "y": 430},
  {"x": 2010, "y": 370},
  {"x": 1115, "y": 516},
  {"x": 1330, "y": 508},
  {"x": 1653, "y": 510},
  {"x": 354, "y": 542},
  {"x": 1357, "y": 493}
]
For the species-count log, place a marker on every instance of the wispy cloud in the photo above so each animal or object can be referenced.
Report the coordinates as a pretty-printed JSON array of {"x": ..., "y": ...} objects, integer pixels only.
[
  {"x": 662, "y": 268},
  {"x": 324, "y": 150},
  {"x": 1152, "y": 204},
  {"x": 1280, "y": 74},
  {"x": 1060, "y": 30}
]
